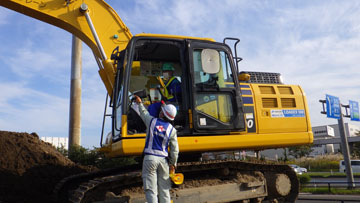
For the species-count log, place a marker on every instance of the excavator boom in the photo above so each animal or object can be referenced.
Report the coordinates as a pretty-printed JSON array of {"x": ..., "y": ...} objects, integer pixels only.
[{"x": 67, "y": 15}]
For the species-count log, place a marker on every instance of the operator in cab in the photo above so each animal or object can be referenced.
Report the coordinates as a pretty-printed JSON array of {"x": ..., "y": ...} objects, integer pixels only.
[
  {"x": 171, "y": 86},
  {"x": 171, "y": 89},
  {"x": 160, "y": 137}
]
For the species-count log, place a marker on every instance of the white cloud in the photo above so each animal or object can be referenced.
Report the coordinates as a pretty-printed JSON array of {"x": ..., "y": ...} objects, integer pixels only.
[
  {"x": 37, "y": 99},
  {"x": 4, "y": 16},
  {"x": 194, "y": 18},
  {"x": 25, "y": 109},
  {"x": 317, "y": 47},
  {"x": 313, "y": 44}
]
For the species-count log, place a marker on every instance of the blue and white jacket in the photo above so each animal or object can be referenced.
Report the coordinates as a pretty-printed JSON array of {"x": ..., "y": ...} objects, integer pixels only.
[{"x": 160, "y": 136}]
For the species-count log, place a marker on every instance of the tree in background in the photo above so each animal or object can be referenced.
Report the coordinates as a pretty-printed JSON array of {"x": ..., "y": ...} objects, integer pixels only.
[
  {"x": 285, "y": 155},
  {"x": 300, "y": 151},
  {"x": 94, "y": 157},
  {"x": 356, "y": 147}
]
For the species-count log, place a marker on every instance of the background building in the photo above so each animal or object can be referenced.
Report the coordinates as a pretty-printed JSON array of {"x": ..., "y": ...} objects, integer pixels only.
[
  {"x": 323, "y": 132},
  {"x": 320, "y": 132},
  {"x": 350, "y": 131},
  {"x": 57, "y": 142}
]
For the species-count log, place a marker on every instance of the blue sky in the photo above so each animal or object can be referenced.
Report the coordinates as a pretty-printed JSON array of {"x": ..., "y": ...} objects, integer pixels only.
[{"x": 315, "y": 44}]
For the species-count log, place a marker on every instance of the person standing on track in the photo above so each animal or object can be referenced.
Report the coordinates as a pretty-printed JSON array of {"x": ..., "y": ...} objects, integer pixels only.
[{"x": 160, "y": 136}]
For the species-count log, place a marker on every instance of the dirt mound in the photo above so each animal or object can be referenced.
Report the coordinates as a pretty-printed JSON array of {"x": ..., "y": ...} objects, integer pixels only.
[{"x": 30, "y": 168}]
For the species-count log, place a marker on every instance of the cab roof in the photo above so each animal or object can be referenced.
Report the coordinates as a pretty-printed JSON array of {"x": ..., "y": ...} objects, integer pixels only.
[{"x": 173, "y": 36}]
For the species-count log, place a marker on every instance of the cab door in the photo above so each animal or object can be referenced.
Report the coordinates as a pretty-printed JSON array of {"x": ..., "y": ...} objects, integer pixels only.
[{"x": 216, "y": 101}]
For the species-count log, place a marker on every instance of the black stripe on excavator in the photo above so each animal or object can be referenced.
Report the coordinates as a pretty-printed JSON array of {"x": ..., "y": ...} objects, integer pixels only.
[
  {"x": 247, "y": 100},
  {"x": 246, "y": 92},
  {"x": 250, "y": 119},
  {"x": 241, "y": 86}
]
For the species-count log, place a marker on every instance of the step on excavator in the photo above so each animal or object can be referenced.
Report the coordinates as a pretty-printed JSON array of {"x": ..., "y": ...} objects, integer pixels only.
[{"x": 220, "y": 109}]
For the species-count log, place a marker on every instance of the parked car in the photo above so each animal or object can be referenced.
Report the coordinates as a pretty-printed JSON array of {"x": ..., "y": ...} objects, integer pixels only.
[
  {"x": 355, "y": 166},
  {"x": 298, "y": 169}
]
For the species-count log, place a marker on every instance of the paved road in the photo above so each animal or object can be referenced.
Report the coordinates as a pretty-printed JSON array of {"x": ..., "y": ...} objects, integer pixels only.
[
  {"x": 341, "y": 181},
  {"x": 310, "y": 198}
]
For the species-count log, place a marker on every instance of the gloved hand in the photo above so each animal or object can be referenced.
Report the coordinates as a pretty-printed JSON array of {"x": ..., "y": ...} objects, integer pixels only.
[{"x": 172, "y": 169}]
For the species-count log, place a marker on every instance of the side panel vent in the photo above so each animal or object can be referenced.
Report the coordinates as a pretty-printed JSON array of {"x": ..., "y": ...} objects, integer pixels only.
[
  {"x": 267, "y": 90},
  {"x": 269, "y": 102},
  {"x": 285, "y": 90},
  {"x": 288, "y": 102}
]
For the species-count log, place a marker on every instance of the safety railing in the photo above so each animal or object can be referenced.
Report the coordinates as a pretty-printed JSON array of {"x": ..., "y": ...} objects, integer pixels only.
[{"x": 333, "y": 184}]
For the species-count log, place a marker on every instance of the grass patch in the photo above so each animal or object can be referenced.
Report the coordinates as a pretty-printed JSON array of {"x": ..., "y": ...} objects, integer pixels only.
[
  {"x": 319, "y": 164},
  {"x": 329, "y": 174},
  {"x": 325, "y": 190}
]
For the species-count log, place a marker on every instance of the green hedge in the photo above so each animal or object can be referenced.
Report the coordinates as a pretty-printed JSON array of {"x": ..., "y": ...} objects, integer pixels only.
[
  {"x": 304, "y": 179},
  {"x": 94, "y": 157},
  {"x": 322, "y": 164}
]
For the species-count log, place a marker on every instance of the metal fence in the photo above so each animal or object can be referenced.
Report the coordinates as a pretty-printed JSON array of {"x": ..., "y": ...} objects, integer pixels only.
[{"x": 334, "y": 184}]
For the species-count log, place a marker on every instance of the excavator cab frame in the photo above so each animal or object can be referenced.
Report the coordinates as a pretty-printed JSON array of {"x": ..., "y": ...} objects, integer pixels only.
[{"x": 210, "y": 102}]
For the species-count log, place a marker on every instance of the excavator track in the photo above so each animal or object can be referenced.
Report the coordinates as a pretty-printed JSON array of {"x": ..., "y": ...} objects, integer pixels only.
[{"x": 281, "y": 181}]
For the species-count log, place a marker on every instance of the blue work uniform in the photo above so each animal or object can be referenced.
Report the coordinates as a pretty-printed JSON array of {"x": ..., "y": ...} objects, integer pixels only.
[
  {"x": 160, "y": 136},
  {"x": 154, "y": 109},
  {"x": 171, "y": 89},
  {"x": 172, "y": 94},
  {"x": 174, "y": 89}
]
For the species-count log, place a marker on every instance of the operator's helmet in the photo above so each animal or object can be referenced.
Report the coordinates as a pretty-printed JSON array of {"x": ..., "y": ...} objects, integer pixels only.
[
  {"x": 167, "y": 67},
  {"x": 169, "y": 111}
]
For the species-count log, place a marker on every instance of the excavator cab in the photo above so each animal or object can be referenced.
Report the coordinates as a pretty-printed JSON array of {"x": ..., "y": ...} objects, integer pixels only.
[{"x": 209, "y": 101}]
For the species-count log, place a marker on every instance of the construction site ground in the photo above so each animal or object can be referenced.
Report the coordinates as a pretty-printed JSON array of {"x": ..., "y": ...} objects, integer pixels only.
[{"x": 30, "y": 168}]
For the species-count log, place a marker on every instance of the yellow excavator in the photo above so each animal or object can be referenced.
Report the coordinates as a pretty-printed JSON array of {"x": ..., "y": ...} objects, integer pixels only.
[{"x": 219, "y": 109}]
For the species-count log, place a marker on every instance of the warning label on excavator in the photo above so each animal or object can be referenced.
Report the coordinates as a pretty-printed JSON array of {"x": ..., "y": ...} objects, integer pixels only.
[{"x": 287, "y": 113}]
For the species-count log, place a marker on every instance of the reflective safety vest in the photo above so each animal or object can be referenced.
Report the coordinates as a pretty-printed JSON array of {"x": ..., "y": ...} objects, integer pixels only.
[
  {"x": 165, "y": 91},
  {"x": 158, "y": 137}
]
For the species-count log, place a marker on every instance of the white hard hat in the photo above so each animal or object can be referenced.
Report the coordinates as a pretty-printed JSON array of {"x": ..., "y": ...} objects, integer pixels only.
[{"x": 169, "y": 111}]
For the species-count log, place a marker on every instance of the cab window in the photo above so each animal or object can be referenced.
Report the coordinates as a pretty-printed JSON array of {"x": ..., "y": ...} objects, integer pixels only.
[
  {"x": 156, "y": 73},
  {"x": 213, "y": 96}
]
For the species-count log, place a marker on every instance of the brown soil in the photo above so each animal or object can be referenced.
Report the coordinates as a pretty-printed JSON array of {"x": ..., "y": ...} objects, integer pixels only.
[
  {"x": 30, "y": 168},
  {"x": 206, "y": 180}
]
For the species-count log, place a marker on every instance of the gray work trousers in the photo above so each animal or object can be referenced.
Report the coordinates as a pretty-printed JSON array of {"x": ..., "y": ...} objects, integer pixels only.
[{"x": 156, "y": 180}]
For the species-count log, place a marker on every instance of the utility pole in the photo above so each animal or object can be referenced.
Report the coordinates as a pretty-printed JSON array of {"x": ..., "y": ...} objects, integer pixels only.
[
  {"x": 345, "y": 151},
  {"x": 334, "y": 110},
  {"x": 75, "y": 93}
]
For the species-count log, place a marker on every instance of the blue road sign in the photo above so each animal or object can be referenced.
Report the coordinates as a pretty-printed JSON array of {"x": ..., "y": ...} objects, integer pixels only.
[
  {"x": 354, "y": 110},
  {"x": 332, "y": 107}
]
